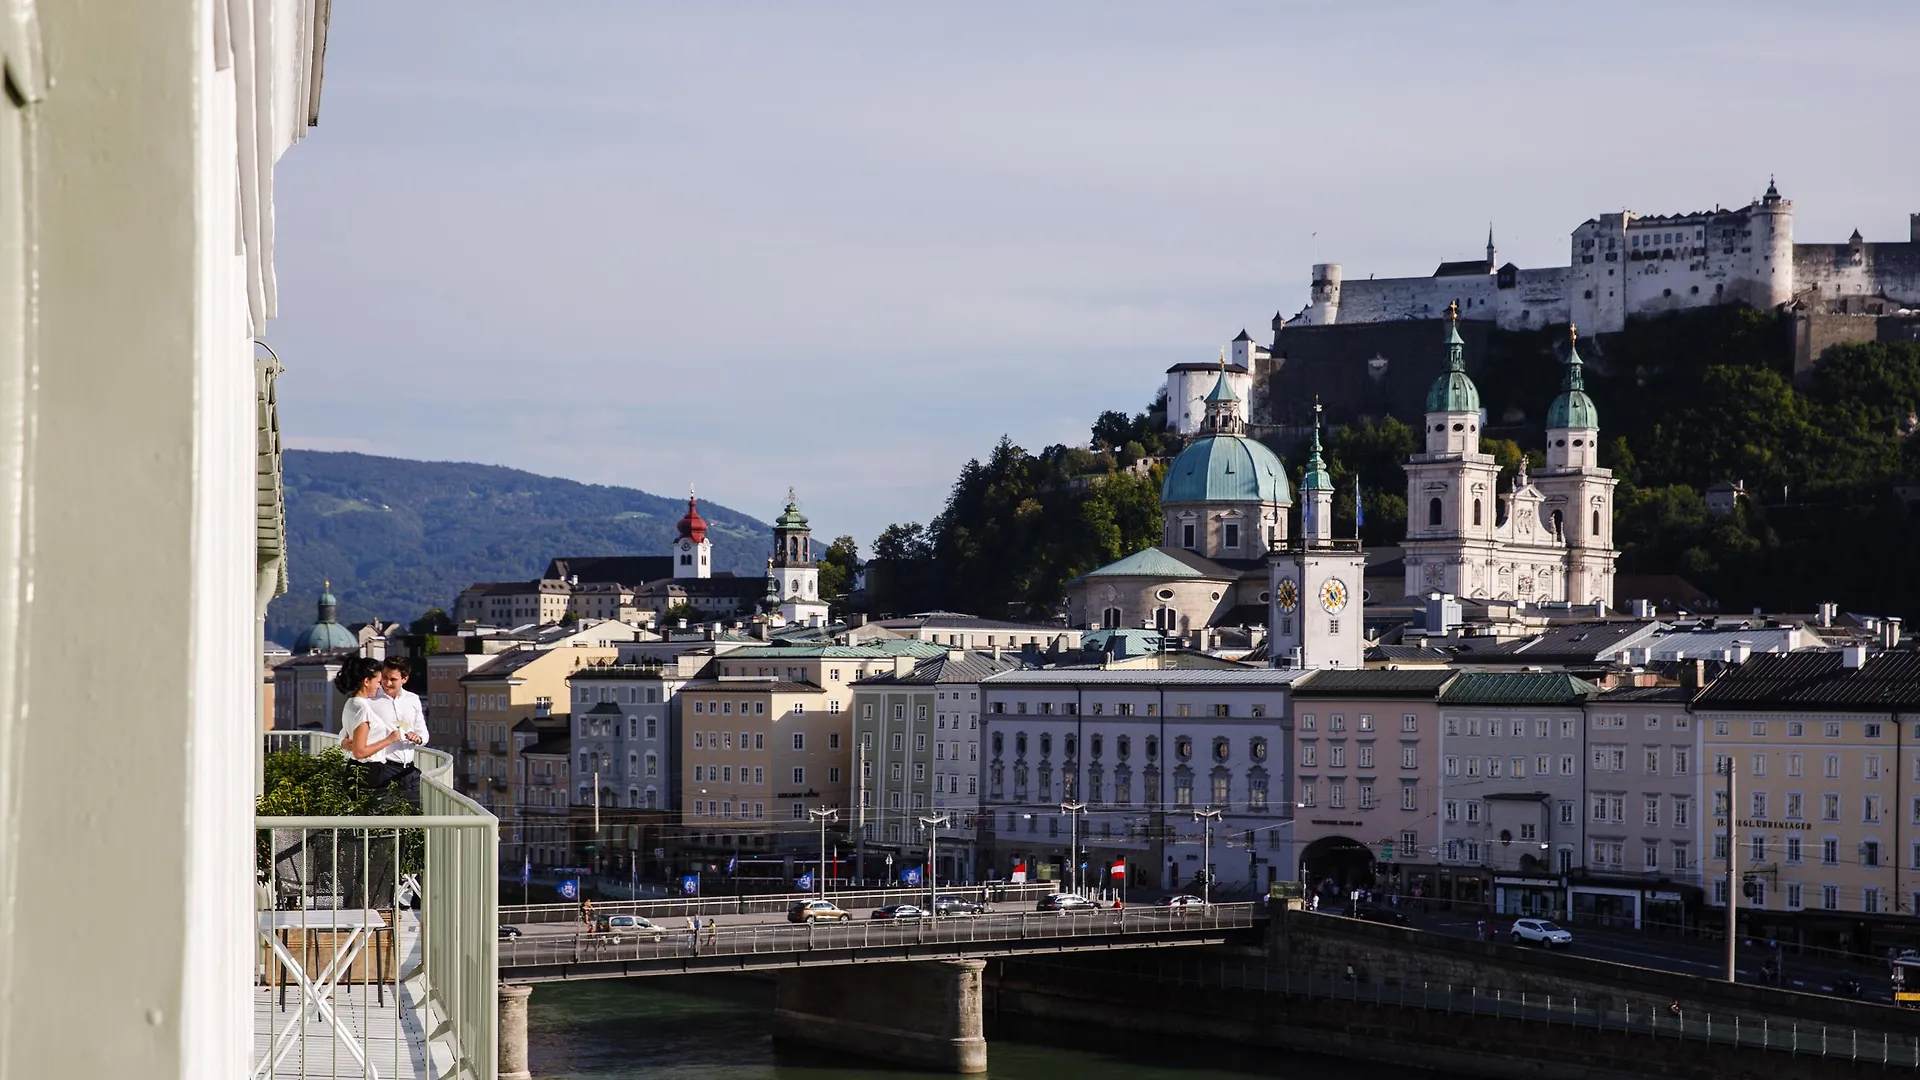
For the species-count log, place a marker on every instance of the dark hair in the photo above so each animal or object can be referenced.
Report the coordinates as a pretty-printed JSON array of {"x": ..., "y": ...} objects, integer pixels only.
[
  {"x": 394, "y": 663},
  {"x": 354, "y": 671}
]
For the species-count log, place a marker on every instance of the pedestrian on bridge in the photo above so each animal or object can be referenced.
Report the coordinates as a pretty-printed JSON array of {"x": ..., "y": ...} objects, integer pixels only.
[{"x": 713, "y": 930}]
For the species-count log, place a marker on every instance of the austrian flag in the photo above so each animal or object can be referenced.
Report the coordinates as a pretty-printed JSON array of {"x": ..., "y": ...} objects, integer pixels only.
[{"x": 1119, "y": 868}]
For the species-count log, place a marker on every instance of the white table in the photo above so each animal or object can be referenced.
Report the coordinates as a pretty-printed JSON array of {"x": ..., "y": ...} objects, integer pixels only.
[{"x": 359, "y": 924}]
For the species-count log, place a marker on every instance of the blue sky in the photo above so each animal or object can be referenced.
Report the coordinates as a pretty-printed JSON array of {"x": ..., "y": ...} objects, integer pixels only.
[{"x": 846, "y": 247}]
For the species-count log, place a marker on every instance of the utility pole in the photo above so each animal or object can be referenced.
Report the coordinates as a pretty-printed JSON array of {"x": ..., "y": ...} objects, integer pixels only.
[
  {"x": 1733, "y": 878},
  {"x": 1072, "y": 810},
  {"x": 933, "y": 854},
  {"x": 1206, "y": 853},
  {"x": 822, "y": 814}
]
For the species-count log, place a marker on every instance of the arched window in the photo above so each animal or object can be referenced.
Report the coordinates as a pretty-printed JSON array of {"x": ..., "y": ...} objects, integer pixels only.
[
  {"x": 1559, "y": 524},
  {"x": 1433, "y": 512},
  {"x": 1596, "y": 524},
  {"x": 1110, "y": 619},
  {"x": 1166, "y": 620},
  {"x": 1476, "y": 511}
]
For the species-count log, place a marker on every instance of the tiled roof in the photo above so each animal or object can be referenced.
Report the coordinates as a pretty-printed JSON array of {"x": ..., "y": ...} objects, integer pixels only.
[
  {"x": 873, "y": 650},
  {"x": 1158, "y": 562},
  {"x": 1407, "y": 683},
  {"x": 1578, "y": 643},
  {"x": 1818, "y": 680},
  {"x": 1240, "y": 677},
  {"x": 1667, "y": 695},
  {"x": 505, "y": 664},
  {"x": 1409, "y": 652},
  {"x": 558, "y": 745},
  {"x": 626, "y": 569},
  {"x": 605, "y": 708},
  {"x": 969, "y": 667},
  {"x": 756, "y": 686},
  {"x": 1518, "y": 688},
  {"x": 952, "y": 620}
]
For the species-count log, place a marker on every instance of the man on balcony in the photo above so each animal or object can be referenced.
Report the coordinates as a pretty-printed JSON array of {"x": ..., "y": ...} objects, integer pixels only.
[{"x": 400, "y": 709}]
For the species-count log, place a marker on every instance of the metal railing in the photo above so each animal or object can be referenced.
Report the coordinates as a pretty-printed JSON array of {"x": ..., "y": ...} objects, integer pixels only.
[
  {"x": 378, "y": 936},
  {"x": 766, "y": 903},
  {"x": 1649, "y": 1019},
  {"x": 670, "y": 943}
]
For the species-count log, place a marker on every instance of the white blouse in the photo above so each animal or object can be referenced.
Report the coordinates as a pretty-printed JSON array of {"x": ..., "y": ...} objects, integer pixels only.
[{"x": 360, "y": 711}]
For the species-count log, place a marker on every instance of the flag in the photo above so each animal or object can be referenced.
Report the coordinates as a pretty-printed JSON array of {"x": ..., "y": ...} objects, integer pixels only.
[
  {"x": 1019, "y": 873},
  {"x": 1119, "y": 868},
  {"x": 733, "y": 865},
  {"x": 911, "y": 875},
  {"x": 805, "y": 884},
  {"x": 526, "y": 869},
  {"x": 570, "y": 889},
  {"x": 690, "y": 885},
  {"x": 1359, "y": 510}
]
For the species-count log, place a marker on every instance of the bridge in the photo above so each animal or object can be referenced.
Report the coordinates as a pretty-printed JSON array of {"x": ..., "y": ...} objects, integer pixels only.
[{"x": 764, "y": 945}]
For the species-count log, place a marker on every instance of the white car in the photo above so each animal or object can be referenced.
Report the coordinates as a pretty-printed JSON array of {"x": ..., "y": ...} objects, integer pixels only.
[{"x": 1540, "y": 932}]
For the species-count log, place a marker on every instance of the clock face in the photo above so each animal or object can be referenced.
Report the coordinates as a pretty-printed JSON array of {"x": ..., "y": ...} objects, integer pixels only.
[
  {"x": 1288, "y": 595},
  {"x": 1333, "y": 596}
]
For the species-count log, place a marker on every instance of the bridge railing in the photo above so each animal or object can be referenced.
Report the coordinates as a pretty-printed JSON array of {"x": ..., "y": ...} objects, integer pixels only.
[
  {"x": 377, "y": 935},
  {"x": 765, "y": 903},
  {"x": 1651, "y": 1020},
  {"x": 668, "y": 943}
]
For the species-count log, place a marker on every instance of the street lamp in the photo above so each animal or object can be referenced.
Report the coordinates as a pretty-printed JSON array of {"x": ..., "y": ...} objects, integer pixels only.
[
  {"x": 1733, "y": 876},
  {"x": 1073, "y": 838},
  {"x": 822, "y": 814},
  {"x": 1206, "y": 847},
  {"x": 933, "y": 853}
]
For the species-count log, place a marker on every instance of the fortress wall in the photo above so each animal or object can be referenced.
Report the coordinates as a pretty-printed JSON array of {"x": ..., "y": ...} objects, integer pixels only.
[
  {"x": 1891, "y": 270},
  {"x": 1394, "y": 299}
]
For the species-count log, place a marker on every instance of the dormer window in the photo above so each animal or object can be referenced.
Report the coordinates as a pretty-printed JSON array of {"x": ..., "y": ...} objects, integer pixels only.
[
  {"x": 1186, "y": 535},
  {"x": 1230, "y": 534}
]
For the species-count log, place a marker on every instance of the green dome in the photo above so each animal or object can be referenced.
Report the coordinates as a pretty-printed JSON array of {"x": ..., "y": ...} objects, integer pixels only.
[
  {"x": 1573, "y": 408},
  {"x": 791, "y": 517},
  {"x": 1453, "y": 392},
  {"x": 328, "y": 636},
  {"x": 1226, "y": 468}
]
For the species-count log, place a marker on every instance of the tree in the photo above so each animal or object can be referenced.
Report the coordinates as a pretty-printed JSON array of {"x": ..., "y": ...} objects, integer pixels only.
[
  {"x": 675, "y": 613},
  {"x": 838, "y": 566}
]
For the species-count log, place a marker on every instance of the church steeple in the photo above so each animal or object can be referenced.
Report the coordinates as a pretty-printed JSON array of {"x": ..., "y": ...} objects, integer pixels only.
[
  {"x": 1316, "y": 490},
  {"x": 1489, "y": 245},
  {"x": 1223, "y": 406}
]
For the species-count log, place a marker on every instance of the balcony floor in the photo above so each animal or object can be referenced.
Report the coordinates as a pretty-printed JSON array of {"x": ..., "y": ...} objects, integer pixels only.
[{"x": 372, "y": 1023}]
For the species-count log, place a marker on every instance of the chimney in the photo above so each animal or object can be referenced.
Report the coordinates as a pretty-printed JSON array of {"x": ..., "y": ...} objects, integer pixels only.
[
  {"x": 1637, "y": 656},
  {"x": 1642, "y": 609},
  {"x": 759, "y": 630},
  {"x": 1890, "y": 632},
  {"x": 1693, "y": 674},
  {"x": 1599, "y": 609},
  {"x": 813, "y": 621},
  {"x": 902, "y": 666},
  {"x": 1853, "y": 657},
  {"x": 856, "y": 619},
  {"x": 683, "y": 624},
  {"x": 1738, "y": 652},
  {"x": 1827, "y": 612}
]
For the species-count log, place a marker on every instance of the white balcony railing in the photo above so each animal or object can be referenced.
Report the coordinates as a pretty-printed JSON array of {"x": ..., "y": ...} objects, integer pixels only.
[{"x": 377, "y": 952}]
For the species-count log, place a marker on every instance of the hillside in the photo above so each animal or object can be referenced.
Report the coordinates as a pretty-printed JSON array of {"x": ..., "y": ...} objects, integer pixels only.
[{"x": 398, "y": 537}]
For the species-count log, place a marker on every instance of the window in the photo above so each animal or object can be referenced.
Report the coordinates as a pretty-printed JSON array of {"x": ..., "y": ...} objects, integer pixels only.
[
  {"x": 1411, "y": 722},
  {"x": 1681, "y": 805},
  {"x": 1566, "y": 813},
  {"x": 899, "y": 742},
  {"x": 1870, "y": 900},
  {"x": 1833, "y": 729},
  {"x": 1830, "y": 852},
  {"x": 1830, "y": 807},
  {"x": 1336, "y": 756},
  {"x": 1830, "y": 897},
  {"x": 1231, "y": 534},
  {"x": 1832, "y": 768},
  {"x": 799, "y": 740},
  {"x": 1409, "y": 800},
  {"x": 1476, "y": 511},
  {"x": 1186, "y": 535},
  {"x": 1433, "y": 513},
  {"x": 1793, "y": 849},
  {"x": 799, "y": 776},
  {"x": 1652, "y": 809},
  {"x": 1410, "y": 759},
  {"x": 1870, "y": 808}
]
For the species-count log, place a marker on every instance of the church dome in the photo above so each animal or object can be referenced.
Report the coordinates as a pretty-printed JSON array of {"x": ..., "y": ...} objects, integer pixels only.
[
  {"x": 1573, "y": 408},
  {"x": 693, "y": 527},
  {"x": 1454, "y": 392},
  {"x": 1226, "y": 468},
  {"x": 326, "y": 634}
]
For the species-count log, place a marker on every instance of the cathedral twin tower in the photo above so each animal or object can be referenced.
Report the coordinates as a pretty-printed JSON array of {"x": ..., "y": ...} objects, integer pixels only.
[{"x": 1547, "y": 539}]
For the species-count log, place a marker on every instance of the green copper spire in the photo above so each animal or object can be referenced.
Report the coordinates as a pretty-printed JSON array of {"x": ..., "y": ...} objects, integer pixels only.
[
  {"x": 791, "y": 517},
  {"x": 1316, "y": 478},
  {"x": 1453, "y": 392},
  {"x": 1573, "y": 408}
]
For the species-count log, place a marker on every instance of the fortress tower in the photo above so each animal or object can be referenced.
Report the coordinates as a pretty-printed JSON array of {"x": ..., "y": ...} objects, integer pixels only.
[{"x": 1324, "y": 307}]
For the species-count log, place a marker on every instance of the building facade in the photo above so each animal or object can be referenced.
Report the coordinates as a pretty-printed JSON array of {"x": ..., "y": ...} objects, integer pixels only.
[
  {"x": 1316, "y": 582},
  {"x": 1643, "y": 863},
  {"x": 916, "y": 755},
  {"x": 1167, "y": 768},
  {"x": 520, "y": 686}
]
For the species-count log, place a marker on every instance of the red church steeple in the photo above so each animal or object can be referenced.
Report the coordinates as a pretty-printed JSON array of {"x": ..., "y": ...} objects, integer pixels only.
[{"x": 693, "y": 527}]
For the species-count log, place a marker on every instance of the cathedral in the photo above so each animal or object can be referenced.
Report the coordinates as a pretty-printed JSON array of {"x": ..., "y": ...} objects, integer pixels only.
[{"x": 1547, "y": 539}]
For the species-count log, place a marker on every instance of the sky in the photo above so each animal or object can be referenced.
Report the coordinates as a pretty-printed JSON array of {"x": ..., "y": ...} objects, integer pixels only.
[{"x": 846, "y": 247}]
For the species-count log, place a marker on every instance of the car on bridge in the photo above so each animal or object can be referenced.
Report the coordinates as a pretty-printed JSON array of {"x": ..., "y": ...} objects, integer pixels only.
[
  {"x": 508, "y": 932},
  {"x": 812, "y": 911},
  {"x": 1541, "y": 932},
  {"x": 956, "y": 905},
  {"x": 899, "y": 911},
  {"x": 1062, "y": 903},
  {"x": 1181, "y": 900},
  {"x": 620, "y": 927}
]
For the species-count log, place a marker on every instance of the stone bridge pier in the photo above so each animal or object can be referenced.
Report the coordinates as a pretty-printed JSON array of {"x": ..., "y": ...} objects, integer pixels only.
[{"x": 924, "y": 1014}]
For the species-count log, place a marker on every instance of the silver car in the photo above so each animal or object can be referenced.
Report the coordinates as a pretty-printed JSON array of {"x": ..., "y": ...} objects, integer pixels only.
[{"x": 1541, "y": 932}]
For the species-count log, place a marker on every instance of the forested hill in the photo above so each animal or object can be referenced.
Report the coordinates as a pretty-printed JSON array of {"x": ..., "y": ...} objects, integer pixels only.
[{"x": 398, "y": 537}]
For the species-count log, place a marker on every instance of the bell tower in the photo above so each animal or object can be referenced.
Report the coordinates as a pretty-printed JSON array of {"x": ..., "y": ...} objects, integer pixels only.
[
  {"x": 793, "y": 569},
  {"x": 692, "y": 552},
  {"x": 1451, "y": 487},
  {"x": 1316, "y": 584}
]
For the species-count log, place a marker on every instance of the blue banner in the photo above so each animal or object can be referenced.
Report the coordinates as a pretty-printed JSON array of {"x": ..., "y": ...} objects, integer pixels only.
[
  {"x": 526, "y": 869},
  {"x": 690, "y": 884},
  {"x": 911, "y": 875},
  {"x": 570, "y": 889},
  {"x": 733, "y": 865},
  {"x": 805, "y": 884}
]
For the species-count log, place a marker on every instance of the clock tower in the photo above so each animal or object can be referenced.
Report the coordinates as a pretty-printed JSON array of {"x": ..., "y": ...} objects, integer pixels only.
[
  {"x": 692, "y": 552},
  {"x": 1316, "y": 583}
]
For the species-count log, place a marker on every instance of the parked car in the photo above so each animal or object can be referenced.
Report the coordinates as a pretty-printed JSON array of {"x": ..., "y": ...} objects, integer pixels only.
[
  {"x": 1181, "y": 900},
  {"x": 811, "y": 911},
  {"x": 1390, "y": 916},
  {"x": 899, "y": 911},
  {"x": 507, "y": 932},
  {"x": 621, "y": 927},
  {"x": 1540, "y": 932},
  {"x": 956, "y": 905},
  {"x": 1066, "y": 902}
]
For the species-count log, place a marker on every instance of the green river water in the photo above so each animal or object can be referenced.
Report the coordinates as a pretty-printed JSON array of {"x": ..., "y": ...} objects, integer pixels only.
[{"x": 663, "y": 1029}]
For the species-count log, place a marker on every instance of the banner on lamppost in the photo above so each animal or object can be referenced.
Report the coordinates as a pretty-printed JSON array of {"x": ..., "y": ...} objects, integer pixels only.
[
  {"x": 690, "y": 884},
  {"x": 805, "y": 883},
  {"x": 910, "y": 876},
  {"x": 570, "y": 889}
]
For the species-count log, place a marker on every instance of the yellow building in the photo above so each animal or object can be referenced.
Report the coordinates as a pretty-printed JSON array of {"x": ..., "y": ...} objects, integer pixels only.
[
  {"x": 1826, "y": 750},
  {"x": 523, "y": 686}
]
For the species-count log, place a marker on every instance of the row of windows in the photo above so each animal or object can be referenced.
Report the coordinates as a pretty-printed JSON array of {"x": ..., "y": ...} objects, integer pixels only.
[
  {"x": 1605, "y": 806},
  {"x": 594, "y": 762},
  {"x": 1653, "y": 721},
  {"x": 725, "y": 708},
  {"x": 1120, "y": 708},
  {"x": 1095, "y": 791},
  {"x": 1363, "y": 756},
  {"x": 591, "y": 727},
  {"x": 1798, "y": 729},
  {"x": 1122, "y": 745},
  {"x": 1871, "y": 899},
  {"x": 1614, "y": 759},
  {"x": 1497, "y": 727},
  {"x": 1872, "y": 766},
  {"x": 1514, "y": 767},
  {"x": 756, "y": 740},
  {"x": 1364, "y": 722},
  {"x": 612, "y": 695},
  {"x": 1758, "y": 803}
]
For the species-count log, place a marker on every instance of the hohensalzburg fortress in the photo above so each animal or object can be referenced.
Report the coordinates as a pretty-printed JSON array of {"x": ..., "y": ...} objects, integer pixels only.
[{"x": 1626, "y": 264}]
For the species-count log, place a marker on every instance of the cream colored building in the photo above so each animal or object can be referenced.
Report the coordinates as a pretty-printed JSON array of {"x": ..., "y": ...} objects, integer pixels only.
[
  {"x": 522, "y": 685},
  {"x": 1826, "y": 746}
]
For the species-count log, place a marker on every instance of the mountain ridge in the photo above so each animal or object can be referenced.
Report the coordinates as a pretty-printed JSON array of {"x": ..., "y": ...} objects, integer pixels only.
[{"x": 396, "y": 536}]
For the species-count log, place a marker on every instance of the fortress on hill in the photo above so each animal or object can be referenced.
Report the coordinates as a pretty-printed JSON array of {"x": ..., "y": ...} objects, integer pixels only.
[{"x": 1625, "y": 264}]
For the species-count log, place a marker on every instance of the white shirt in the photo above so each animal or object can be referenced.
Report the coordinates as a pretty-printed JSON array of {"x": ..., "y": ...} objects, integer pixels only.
[
  {"x": 402, "y": 714},
  {"x": 358, "y": 711}
]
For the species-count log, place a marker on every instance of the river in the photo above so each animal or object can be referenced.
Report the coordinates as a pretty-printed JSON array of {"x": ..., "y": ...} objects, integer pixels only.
[{"x": 721, "y": 1029}]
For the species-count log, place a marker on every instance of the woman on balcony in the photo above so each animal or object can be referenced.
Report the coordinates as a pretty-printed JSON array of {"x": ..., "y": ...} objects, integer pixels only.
[{"x": 365, "y": 733}]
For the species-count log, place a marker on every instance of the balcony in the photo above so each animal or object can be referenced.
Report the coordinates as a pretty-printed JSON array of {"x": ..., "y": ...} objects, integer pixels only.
[{"x": 376, "y": 953}]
